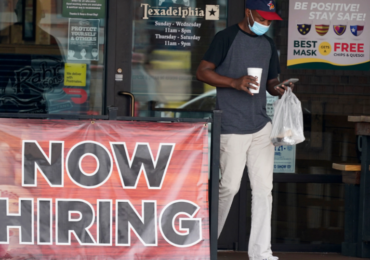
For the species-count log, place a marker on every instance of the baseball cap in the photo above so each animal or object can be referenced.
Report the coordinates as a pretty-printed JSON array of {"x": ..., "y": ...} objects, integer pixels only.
[{"x": 265, "y": 8}]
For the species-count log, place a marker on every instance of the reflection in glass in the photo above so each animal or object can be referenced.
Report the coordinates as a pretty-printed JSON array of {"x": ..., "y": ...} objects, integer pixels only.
[
  {"x": 37, "y": 71},
  {"x": 29, "y": 20}
]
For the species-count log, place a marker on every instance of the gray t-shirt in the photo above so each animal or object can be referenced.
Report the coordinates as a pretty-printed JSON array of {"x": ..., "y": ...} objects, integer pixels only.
[{"x": 233, "y": 51}]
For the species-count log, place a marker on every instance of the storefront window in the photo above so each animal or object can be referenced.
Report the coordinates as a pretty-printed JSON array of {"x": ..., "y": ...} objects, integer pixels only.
[
  {"x": 170, "y": 39},
  {"x": 52, "y": 56}
]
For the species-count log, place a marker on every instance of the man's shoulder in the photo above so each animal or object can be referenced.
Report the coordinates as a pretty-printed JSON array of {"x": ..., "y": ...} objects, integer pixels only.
[{"x": 228, "y": 32}]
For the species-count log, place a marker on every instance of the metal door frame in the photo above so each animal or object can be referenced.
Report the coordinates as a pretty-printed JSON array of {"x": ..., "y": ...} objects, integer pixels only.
[{"x": 119, "y": 54}]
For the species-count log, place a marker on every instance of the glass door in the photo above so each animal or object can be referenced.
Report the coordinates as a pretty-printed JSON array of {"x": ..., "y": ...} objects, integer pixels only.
[{"x": 170, "y": 38}]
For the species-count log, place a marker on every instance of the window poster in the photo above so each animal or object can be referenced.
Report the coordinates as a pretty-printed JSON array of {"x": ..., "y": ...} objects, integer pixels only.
[
  {"x": 75, "y": 74},
  {"x": 329, "y": 35},
  {"x": 285, "y": 156},
  {"x": 83, "y": 39}
]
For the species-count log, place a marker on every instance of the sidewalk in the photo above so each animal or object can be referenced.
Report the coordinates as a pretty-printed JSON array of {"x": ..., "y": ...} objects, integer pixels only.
[{"x": 230, "y": 255}]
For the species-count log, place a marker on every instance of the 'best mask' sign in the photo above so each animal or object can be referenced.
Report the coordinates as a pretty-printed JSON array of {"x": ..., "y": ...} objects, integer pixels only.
[
  {"x": 110, "y": 193},
  {"x": 329, "y": 34}
]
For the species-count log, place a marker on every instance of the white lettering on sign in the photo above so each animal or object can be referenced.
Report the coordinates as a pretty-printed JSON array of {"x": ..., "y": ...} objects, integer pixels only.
[{"x": 182, "y": 12}]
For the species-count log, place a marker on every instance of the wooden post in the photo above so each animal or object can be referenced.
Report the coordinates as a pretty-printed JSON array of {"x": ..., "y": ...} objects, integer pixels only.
[
  {"x": 362, "y": 126},
  {"x": 363, "y": 248}
]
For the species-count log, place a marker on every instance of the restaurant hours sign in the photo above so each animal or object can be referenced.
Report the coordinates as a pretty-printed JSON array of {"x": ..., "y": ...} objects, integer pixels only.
[{"x": 170, "y": 16}]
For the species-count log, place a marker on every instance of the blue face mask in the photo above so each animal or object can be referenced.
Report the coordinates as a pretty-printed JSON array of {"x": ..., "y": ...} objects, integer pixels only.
[{"x": 258, "y": 28}]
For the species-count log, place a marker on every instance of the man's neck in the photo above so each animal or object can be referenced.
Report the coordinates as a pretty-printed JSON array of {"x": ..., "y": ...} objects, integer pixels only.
[{"x": 244, "y": 26}]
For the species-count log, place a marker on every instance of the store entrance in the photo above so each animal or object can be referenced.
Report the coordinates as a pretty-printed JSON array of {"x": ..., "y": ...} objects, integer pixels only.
[
  {"x": 58, "y": 57},
  {"x": 78, "y": 57}
]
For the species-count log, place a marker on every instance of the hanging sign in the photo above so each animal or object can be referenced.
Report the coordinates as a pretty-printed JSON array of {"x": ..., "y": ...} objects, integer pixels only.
[
  {"x": 84, "y": 9},
  {"x": 329, "y": 35},
  {"x": 103, "y": 190}
]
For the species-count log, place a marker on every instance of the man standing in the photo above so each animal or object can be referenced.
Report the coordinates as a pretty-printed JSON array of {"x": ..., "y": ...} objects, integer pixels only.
[{"x": 246, "y": 128}]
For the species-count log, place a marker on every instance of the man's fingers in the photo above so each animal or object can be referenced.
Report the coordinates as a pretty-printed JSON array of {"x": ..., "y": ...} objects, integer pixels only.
[
  {"x": 281, "y": 89},
  {"x": 250, "y": 86},
  {"x": 253, "y": 80},
  {"x": 247, "y": 90},
  {"x": 284, "y": 87}
]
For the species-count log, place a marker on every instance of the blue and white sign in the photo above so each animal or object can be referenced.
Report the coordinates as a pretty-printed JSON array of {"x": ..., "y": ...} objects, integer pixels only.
[
  {"x": 284, "y": 155},
  {"x": 284, "y": 159}
]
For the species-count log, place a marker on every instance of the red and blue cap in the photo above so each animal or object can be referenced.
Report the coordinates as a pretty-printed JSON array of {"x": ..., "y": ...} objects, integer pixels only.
[{"x": 265, "y": 8}]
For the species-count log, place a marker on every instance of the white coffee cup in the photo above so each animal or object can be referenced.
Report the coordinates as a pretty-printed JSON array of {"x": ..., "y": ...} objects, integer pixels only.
[{"x": 255, "y": 72}]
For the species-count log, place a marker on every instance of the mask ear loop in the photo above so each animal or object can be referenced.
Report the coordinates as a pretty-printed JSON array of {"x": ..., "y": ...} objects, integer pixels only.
[
  {"x": 251, "y": 16},
  {"x": 249, "y": 22},
  {"x": 252, "y": 19}
]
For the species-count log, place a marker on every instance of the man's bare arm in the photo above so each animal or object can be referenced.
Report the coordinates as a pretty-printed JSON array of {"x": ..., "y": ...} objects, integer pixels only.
[{"x": 206, "y": 73}]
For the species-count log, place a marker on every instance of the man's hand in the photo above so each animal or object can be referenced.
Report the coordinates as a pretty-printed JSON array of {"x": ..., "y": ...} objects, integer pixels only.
[
  {"x": 281, "y": 90},
  {"x": 245, "y": 83},
  {"x": 206, "y": 73},
  {"x": 278, "y": 91}
]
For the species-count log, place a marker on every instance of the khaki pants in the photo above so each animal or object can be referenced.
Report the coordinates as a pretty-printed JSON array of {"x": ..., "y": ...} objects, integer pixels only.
[{"x": 257, "y": 152}]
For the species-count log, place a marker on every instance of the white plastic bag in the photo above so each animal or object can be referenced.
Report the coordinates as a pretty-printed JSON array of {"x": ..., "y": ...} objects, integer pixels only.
[{"x": 287, "y": 124}]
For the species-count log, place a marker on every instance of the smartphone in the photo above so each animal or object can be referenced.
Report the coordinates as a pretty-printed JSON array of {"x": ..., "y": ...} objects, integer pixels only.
[{"x": 287, "y": 82}]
